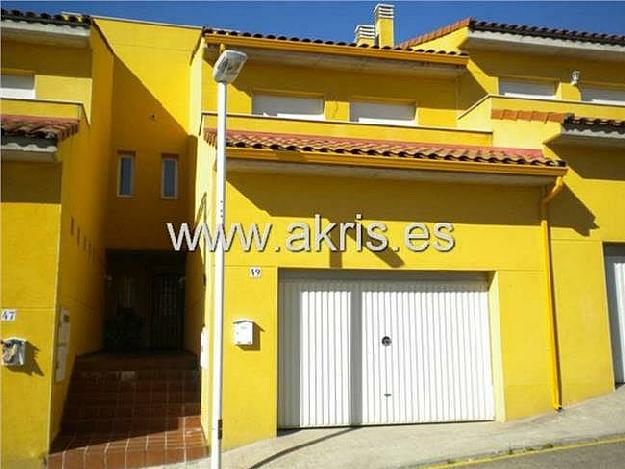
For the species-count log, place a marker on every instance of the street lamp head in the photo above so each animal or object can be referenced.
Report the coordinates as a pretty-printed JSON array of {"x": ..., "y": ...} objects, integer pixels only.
[{"x": 228, "y": 66}]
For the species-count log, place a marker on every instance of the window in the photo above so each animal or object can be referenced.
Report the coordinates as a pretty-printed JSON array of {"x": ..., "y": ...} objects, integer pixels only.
[
  {"x": 125, "y": 180},
  {"x": 17, "y": 86},
  {"x": 169, "y": 177},
  {"x": 288, "y": 107},
  {"x": 527, "y": 89},
  {"x": 382, "y": 113},
  {"x": 603, "y": 95}
]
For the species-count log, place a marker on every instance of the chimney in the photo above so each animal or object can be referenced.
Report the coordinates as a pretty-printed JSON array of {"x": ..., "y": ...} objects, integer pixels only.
[
  {"x": 384, "y": 20},
  {"x": 364, "y": 34}
]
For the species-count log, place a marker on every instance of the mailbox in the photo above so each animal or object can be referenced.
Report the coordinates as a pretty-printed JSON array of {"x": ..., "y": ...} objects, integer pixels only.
[
  {"x": 13, "y": 351},
  {"x": 244, "y": 332}
]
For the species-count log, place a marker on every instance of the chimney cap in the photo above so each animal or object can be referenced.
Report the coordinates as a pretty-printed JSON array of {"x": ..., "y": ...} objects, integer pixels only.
[
  {"x": 384, "y": 10},
  {"x": 365, "y": 30}
]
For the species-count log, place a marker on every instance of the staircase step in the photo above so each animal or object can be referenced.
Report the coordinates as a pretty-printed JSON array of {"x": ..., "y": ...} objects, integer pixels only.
[{"x": 138, "y": 410}]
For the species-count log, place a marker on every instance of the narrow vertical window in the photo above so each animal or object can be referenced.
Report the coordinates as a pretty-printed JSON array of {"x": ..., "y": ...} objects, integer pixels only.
[
  {"x": 125, "y": 184},
  {"x": 169, "y": 176}
]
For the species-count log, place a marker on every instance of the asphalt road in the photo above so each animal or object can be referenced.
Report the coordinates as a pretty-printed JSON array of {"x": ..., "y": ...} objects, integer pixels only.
[{"x": 587, "y": 456}]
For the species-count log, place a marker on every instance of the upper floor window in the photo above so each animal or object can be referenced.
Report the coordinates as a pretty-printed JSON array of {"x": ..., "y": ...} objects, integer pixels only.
[
  {"x": 289, "y": 107},
  {"x": 382, "y": 113},
  {"x": 527, "y": 89},
  {"x": 17, "y": 86},
  {"x": 126, "y": 175},
  {"x": 169, "y": 176},
  {"x": 603, "y": 95}
]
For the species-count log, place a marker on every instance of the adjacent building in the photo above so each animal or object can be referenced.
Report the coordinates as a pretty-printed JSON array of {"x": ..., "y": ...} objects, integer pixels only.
[{"x": 490, "y": 156}]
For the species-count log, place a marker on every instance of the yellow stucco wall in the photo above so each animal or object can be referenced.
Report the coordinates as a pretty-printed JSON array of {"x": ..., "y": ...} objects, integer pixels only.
[
  {"x": 53, "y": 244},
  {"x": 434, "y": 97},
  {"x": 145, "y": 96},
  {"x": 61, "y": 73},
  {"x": 488, "y": 220},
  {"x": 151, "y": 105},
  {"x": 30, "y": 235},
  {"x": 81, "y": 272}
]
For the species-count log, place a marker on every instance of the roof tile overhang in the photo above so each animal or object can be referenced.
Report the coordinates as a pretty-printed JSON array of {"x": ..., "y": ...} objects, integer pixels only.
[
  {"x": 591, "y": 131},
  {"x": 49, "y": 128},
  {"x": 517, "y": 29},
  {"x": 64, "y": 19},
  {"x": 383, "y": 153},
  {"x": 297, "y": 44}
]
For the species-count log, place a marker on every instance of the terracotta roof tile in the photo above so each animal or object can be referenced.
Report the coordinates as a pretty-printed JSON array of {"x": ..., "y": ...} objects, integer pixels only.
[
  {"x": 366, "y": 147},
  {"x": 435, "y": 34},
  {"x": 228, "y": 32},
  {"x": 519, "y": 29},
  {"x": 52, "y": 128},
  {"x": 511, "y": 114},
  {"x": 573, "y": 121},
  {"x": 63, "y": 19}
]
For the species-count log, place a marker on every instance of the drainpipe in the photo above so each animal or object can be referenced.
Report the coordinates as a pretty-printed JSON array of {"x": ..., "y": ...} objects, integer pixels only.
[{"x": 556, "y": 383}]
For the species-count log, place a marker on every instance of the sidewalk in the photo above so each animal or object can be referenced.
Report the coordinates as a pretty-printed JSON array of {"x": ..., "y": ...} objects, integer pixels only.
[{"x": 408, "y": 446}]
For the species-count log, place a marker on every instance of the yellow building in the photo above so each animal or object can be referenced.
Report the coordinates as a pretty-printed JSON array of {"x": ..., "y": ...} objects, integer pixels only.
[{"x": 476, "y": 271}]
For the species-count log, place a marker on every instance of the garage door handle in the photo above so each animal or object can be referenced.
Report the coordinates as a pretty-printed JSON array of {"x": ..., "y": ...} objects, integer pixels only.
[{"x": 386, "y": 341}]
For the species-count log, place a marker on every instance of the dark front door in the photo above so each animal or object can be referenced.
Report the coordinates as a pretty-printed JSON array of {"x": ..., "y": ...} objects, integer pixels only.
[
  {"x": 145, "y": 300},
  {"x": 167, "y": 311}
]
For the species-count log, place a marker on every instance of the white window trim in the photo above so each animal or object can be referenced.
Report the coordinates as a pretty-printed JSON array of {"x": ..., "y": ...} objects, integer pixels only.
[
  {"x": 163, "y": 159},
  {"x": 312, "y": 117},
  {"x": 20, "y": 93},
  {"x": 529, "y": 81},
  {"x": 376, "y": 121},
  {"x": 121, "y": 156},
  {"x": 599, "y": 88}
]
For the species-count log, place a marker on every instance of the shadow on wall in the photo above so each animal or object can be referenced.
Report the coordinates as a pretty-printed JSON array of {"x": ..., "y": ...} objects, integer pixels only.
[
  {"x": 33, "y": 183},
  {"x": 141, "y": 124},
  {"x": 431, "y": 93},
  {"x": 340, "y": 199},
  {"x": 590, "y": 163}
]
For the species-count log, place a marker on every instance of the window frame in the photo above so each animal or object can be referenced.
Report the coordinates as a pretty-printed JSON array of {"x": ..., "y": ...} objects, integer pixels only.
[
  {"x": 174, "y": 158},
  {"x": 32, "y": 92},
  {"x": 528, "y": 81},
  {"x": 599, "y": 88},
  {"x": 377, "y": 121},
  {"x": 308, "y": 117},
  {"x": 132, "y": 157}
]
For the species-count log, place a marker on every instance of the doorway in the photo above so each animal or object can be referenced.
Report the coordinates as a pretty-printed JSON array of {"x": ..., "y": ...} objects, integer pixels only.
[{"x": 144, "y": 301}]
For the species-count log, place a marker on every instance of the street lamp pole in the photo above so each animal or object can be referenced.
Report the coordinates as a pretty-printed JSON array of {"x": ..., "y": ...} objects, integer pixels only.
[{"x": 226, "y": 70}]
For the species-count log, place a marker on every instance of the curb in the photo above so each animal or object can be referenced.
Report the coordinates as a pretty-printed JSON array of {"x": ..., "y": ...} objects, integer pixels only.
[{"x": 486, "y": 456}]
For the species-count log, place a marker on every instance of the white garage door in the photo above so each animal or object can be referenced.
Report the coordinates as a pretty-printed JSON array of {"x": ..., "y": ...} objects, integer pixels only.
[
  {"x": 615, "y": 273},
  {"x": 364, "y": 351}
]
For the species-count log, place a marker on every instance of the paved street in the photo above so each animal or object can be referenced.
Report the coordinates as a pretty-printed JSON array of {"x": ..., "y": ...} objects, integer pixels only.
[
  {"x": 587, "y": 456},
  {"x": 410, "y": 446}
]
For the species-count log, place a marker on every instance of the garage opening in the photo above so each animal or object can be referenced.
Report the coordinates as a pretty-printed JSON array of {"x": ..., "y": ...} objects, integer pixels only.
[{"x": 374, "y": 348}]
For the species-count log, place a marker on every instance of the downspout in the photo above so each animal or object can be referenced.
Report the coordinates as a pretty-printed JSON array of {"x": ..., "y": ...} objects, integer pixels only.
[{"x": 556, "y": 382}]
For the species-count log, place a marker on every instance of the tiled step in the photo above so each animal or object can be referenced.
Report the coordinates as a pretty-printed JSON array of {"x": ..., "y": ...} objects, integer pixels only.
[{"x": 130, "y": 411}]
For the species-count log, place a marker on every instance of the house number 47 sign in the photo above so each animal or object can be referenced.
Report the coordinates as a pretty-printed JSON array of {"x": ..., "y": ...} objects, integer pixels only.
[{"x": 9, "y": 314}]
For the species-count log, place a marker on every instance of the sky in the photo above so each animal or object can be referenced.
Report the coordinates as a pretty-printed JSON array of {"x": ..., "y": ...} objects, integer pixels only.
[{"x": 336, "y": 20}]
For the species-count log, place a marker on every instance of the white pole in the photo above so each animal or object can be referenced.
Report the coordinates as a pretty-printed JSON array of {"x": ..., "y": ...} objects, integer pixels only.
[{"x": 218, "y": 293}]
